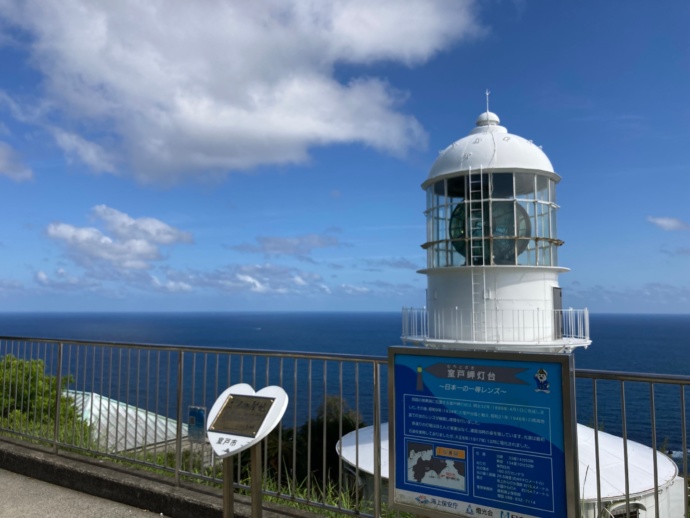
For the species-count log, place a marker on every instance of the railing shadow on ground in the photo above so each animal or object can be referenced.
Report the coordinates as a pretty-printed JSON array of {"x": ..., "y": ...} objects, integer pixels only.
[{"x": 129, "y": 404}]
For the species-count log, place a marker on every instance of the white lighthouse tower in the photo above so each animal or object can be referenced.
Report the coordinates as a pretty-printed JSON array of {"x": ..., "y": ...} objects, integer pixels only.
[{"x": 492, "y": 250}]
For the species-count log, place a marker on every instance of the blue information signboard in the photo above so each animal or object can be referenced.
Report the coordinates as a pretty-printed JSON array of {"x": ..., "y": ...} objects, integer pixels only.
[{"x": 482, "y": 434}]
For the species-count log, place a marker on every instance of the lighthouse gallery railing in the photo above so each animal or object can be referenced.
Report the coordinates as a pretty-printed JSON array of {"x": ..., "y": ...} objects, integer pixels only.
[{"x": 509, "y": 326}]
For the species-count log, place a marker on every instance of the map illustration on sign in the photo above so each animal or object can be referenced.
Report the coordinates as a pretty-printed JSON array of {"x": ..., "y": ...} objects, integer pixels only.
[{"x": 426, "y": 468}]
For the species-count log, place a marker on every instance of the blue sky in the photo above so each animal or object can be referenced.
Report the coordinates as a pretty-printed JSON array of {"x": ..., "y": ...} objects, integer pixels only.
[{"x": 221, "y": 156}]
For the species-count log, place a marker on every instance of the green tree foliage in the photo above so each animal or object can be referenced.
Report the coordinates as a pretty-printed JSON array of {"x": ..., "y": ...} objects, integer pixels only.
[
  {"x": 311, "y": 468},
  {"x": 325, "y": 431},
  {"x": 27, "y": 402},
  {"x": 289, "y": 457}
]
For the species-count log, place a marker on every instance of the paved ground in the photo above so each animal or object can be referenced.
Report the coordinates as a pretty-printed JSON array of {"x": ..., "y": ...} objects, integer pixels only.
[
  {"x": 35, "y": 483},
  {"x": 24, "y": 497}
]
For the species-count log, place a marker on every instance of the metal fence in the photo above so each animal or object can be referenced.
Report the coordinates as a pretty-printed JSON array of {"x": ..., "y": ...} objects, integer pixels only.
[
  {"x": 131, "y": 403},
  {"x": 641, "y": 409}
]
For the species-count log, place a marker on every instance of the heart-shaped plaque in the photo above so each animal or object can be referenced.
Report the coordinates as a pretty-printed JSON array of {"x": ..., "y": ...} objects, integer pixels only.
[{"x": 240, "y": 417}]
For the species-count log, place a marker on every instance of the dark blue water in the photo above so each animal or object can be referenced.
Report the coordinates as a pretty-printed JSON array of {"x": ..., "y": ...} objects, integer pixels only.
[
  {"x": 348, "y": 333},
  {"x": 119, "y": 373},
  {"x": 651, "y": 344},
  {"x": 658, "y": 344},
  {"x": 638, "y": 343}
]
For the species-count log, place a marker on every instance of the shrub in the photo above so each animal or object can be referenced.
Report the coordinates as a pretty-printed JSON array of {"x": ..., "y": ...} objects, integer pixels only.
[{"x": 27, "y": 403}]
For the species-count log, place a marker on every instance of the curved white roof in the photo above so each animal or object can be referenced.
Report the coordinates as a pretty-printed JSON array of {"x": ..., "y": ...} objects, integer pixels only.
[
  {"x": 612, "y": 467},
  {"x": 117, "y": 426},
  {"x": 359, "y": 446},
  {"x": 490, "y": 146}
]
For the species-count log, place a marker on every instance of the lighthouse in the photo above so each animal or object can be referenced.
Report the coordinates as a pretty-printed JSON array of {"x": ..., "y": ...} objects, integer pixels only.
[
  {"x": 492, "y": 290},
  {"x": 492, "y": 250}
]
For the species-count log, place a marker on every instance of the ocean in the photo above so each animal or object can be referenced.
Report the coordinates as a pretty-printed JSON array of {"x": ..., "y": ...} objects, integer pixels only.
[
  {"x": 351, "y": 333},
  {"x": 652, "y": 344}
]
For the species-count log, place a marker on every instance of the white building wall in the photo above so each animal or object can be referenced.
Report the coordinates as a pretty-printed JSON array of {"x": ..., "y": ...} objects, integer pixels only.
[{"x": 506, "y": 304}]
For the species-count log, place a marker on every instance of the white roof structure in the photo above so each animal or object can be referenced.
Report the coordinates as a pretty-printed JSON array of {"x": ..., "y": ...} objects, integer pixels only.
[
  {"x": 612, "y": 467},
  {"x": 348, "y": 449},
  {"x": 117, "y": 426},
  {"x": 611, "y": 462},
  {"x": 490, "y": 146}
]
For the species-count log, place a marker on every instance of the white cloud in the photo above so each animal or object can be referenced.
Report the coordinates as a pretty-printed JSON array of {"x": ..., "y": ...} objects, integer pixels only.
[
  {"x": 397, "y": 263},
  {"x": 61, "y": 280},
  {"x": 256, "y": 285},
  {"x": 9, "y": 285},
  {"x": 170, "y": 286},
  {"x": 89, "y": 243},
  {"x": 11, "y": 166},
  {"x": 354, "y": 290},
  {"x": 174, "y": 88},
  {"x": 132, "y": 245},
  {"x": 669, "y": 223},
  {"x": 90, "y": 153},
  {"x": 126, "y": 228},
  {"x": 263, "y": 279},
  {"x": 297, "y": 246},
  {"x": 269, "y": 280},
  {"x": 652, "y": 297}
]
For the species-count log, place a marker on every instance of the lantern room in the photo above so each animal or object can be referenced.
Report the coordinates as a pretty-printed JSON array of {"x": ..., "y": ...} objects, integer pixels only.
[
  {"x": 487, "y": 203},
  {"x": 492, "y": 248}
]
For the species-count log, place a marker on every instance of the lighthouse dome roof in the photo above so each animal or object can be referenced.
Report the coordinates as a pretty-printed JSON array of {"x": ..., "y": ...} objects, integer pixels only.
[{"x": 490, "y": 146}]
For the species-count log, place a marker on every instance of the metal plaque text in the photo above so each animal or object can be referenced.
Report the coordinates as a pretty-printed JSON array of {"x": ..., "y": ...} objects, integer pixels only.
[{"x": 242, "y": 415}]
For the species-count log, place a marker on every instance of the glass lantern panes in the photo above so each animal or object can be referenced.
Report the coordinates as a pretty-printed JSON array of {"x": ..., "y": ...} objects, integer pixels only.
[{"x": 500, "y": 218}]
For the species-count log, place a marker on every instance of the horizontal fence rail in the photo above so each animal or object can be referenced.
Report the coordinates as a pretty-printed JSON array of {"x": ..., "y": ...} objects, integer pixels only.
[{"x": 131, "y": 403}]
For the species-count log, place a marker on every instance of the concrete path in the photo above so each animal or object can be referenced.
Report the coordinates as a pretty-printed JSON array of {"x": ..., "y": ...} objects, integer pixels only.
[{"x": 23, "y": 497}]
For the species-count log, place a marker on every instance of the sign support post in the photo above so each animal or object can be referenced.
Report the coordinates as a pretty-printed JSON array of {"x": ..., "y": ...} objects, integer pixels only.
[
  {"x": 256, "y": 480},
  {"x": 240, "y": 419},
  {"x": 228, "y": 487}
]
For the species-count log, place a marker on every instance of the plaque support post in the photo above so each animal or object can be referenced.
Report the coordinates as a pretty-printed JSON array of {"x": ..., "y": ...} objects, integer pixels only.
[
  {"x": 228, "y": 487},
  {"x": 240, "y": 420},
  {"x": 256, "y": 481}
]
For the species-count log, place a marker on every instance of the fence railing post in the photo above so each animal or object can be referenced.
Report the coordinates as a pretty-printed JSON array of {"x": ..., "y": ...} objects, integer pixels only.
[
  {"x": 178, "y": 439},
  {"x": 377, "y": 441},
  {"x": 684, "y": 448},
  {"x": 58, "y": 398}
]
